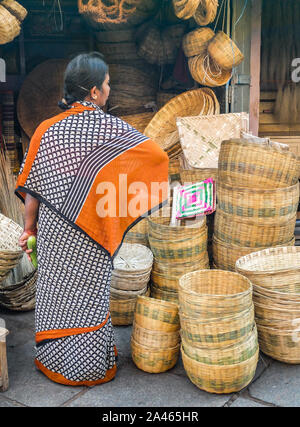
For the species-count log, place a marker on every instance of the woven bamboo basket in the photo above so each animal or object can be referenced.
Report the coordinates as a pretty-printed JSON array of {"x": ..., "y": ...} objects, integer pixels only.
[
  {"x": 163, "y": 294},
  {"x": 165, "y": 282},
  {"x": 178, "y": 250},
  {"x": 15, "y": 8},
  {"x": 280, "y": 316},
  {"x": 206, "y": 12},
  {"x": 154, "y": 360},
  {"x": 220, "y": 378},
  {"x": 9, "y": 26},
  {"x": 122, "y": 311},
  {"x": 185, "y": 9},
  {"x": 279, "y": 297},
  {"x": 282, "y": 345},
  {"x": 275, "y": 269},
  {"x": 163, "y": 97},
  {"x": 170, "y": 269},
  {"x": 196, "y": 175},
  {"x": 206, "y": 72},
  {"x": 159, "y": 228},
  {"x": 19, "y": 296},
  {"x": 120, "y": 294},
  {"x": 138, "y": 121},
  {"x": 243, "y": 350},
  {"x": 216, "y": 333},
  {"x": 224, "y": 51},
  {"x": 196, "y": 42},
  {"x": 250, "y": 234},
  {"x": 250, "y": 164},
  {"x": 268, "y": 207},
  {"x": 10, "y": 251},
  {"x": 138, "y": 233},
  {"x": 225, "y": 255},
  {"x": 214, "y": 293},
  {"x": 157, "y": 315},
  {"x": 155, "y": 339}
]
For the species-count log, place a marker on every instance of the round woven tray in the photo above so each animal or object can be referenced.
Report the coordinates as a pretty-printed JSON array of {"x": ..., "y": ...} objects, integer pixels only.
[{"x": 133, "y": 259}]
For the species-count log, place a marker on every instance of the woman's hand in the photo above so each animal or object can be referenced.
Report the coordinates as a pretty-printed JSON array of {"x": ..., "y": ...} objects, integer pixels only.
[{"x": 23, "y": 241}]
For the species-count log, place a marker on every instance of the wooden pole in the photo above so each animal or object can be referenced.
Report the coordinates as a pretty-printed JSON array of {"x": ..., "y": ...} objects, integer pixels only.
[{"x": 255, "y": 65}]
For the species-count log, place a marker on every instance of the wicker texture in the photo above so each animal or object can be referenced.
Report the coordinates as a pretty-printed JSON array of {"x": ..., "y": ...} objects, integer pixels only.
[
  {"x": 207, "y": 72},
  {"x": 138, "y": 121},
  {"x": 122, "y": 310},
  {"x": 138, "y": 233},
  {"x": 9, "y": 26},
  {"x": 157, "y": 315},
  {"x": 206, "y": 12},
  {"x": 15, "y": 8},
  {"x": 20, "y": 296},
  {"x": 249, "y": 164},
  {"x": 155, "y": 339},
  {"x": 163, "y": 294},
  {"x": 185, "y": 9},
  {"x": 196, "y": 175},
  {"x": 221, "y": 378},
  {"x": 201, "y": 143},
  {"x": 196, "y": 42},
  {"x": 224, "y": 51},
  {"x": 10, "y": 251}
]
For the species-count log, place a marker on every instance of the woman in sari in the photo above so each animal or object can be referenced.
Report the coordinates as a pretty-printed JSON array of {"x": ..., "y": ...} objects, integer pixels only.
[{"x": 77, "y": 181}]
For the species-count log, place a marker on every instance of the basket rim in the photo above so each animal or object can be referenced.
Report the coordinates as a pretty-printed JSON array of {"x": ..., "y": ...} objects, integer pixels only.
[
  {"x": 279, "y": 293},
  {"x": 154, "y": 350},
  {"x": 244, "y": 142},
  {"x": 156, "y": 301},
  {"x": 153, "y": 332},
  {"x": 215, "y": 273},
  {"x": 268, "y": 251},
  {"x": 259, "y": 190}
]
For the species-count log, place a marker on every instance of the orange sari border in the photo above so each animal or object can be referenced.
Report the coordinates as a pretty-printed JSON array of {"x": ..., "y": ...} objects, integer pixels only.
[
  {"x": 61, "y": 333},
  {"x": 59, "y": 378}
]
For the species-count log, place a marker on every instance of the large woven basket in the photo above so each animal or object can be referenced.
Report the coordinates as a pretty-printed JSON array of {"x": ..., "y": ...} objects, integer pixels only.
[
  {"x": 196, "y": 42},
  {"x": 207, "y": 72},
  {"x": 224, "y": 51},
  {"x": 225, "y": 255},
  {"x": 206, "y": 12},
  {"x": 164, "y": 282},
  {"x": 185, "y": 9},
  {"x": 172, "y": 268},
  {"x": 250, "y": 234},
  {"x": 250, "y": 164},
  {"x": 10, "y": 251},
  {"x": 15, "y": 9},
  {"x": 164, "y": 294},
  {"x": 19, "y": 296},
  {"x": 220, "y": 378},
  {"x": 242, "y": 350},
  {"x": 276, "y": 269},
  {"x": 155, "y": 339},
  {"x": 154, "y": 360},
  {"x": 214, "y": 293},
  {"x": 160, "y": 228},
  {"x": 269, "y": 207},
  {"x": 9, "y": 26},
  {"x": 216, "y": 333},
  {"x": 157, "y": 315},
  {"x": 122, "y": 310}
]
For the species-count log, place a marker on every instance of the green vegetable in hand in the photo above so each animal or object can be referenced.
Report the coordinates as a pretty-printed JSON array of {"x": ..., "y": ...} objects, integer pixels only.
[{"x": 31, "y": 244}]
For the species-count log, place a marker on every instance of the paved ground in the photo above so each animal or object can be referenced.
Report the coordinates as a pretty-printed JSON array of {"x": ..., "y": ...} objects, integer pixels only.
[{"x": 275, "y": 384}]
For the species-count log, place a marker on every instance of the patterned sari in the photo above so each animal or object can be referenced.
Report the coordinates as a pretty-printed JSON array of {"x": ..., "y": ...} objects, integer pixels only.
[{"x": 69, "y": 157}]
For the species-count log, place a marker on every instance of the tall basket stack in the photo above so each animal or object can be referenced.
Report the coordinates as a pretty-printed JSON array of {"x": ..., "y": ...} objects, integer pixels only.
[
  {"x": 130, "y": 278},
  {"x": 257, "y": 200},
  {"x": 177, "y": 250},
  {"x": 219, "y": 336},
  {"x": 275, "y": 274},
  {"x": 155, "y": 341}
]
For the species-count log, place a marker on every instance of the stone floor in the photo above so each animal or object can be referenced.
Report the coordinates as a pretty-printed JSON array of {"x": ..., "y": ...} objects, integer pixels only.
[{"x": 275, "y": 384}]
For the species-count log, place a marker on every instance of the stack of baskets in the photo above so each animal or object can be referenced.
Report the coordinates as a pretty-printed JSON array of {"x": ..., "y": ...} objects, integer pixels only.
[
  {"x": 138, "y": 233},
  {"x": 257, "y": 200},
  {"x": 177, "y": 250},
  {"x": 275, "y": 275},
  {"x": 155, "y": 341},
  {"x": 130, "y": 278},
  {"x": 219, "y": 336}
]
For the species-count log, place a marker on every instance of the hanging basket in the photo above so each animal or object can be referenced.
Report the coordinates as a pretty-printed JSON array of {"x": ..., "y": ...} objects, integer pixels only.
[
  {"x": 196, "y": 42},
  {"x": 15, "y": 8},
  {"x": 224, "y": 51},
  {"x": 185, "y": 9},
  {"x": 207, "y": 72},
  {"x": 206, "y": 12},
  {"x": 9, "y": 26}
]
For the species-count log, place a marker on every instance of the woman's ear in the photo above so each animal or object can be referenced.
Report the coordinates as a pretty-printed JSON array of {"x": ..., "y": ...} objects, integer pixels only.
[{"x": 94, "y": 93}]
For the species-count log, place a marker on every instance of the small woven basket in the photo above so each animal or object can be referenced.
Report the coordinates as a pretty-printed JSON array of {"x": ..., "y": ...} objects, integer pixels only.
[
  {"x": 256, "y": 165},
  {"x": 20, "y": 296},
  {"x": 214, "y": 293},
  {"x": 154, "y": 360},
  {"x": 155, "y": 339},
  {"x": 157, "y": 315},
  {"x": 185, "y": 9},
  {"x": 220, "y": 378},
  {"x": 224, "y": 51},
  {"x": 196, "y": 42},
  {"x": 206, "y": 71},
  {"x": 9, "y": 26},
  {"x": 243, "y": 350},
  {"x": 206, "y": 12},
  {"x": 122, "y": 311},
  {"x": 15, "y": 8}
]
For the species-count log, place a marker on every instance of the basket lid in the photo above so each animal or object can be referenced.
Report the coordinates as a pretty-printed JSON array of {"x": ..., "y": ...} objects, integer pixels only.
[{"x": 133, "y": 257}]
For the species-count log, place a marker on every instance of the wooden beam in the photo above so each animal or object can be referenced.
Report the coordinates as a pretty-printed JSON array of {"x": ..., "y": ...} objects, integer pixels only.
[{"x": 255, "y": 65}]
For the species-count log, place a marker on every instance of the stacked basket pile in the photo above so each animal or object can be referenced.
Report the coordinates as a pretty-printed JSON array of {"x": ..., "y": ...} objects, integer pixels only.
[
  {"x": 177, "y": 250},
  {"x": 138, "y": 233},
  {"x": 219, "y": 336},
  {"x": 155, "y": 341},
  {"x": 130, "y": 278},
  {"x": 275, "y": 274},
  {"x": 257, "y": 200}
]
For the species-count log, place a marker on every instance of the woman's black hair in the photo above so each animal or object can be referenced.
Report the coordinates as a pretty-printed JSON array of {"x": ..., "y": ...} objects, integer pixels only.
[{"x": 83, "y": 73}]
